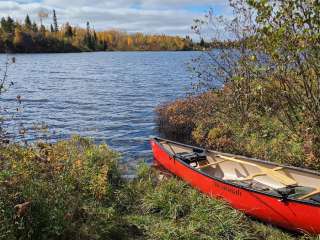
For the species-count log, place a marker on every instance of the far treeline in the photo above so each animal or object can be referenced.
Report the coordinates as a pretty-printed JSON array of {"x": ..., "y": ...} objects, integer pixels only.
[{"x": 29, "y": 37}]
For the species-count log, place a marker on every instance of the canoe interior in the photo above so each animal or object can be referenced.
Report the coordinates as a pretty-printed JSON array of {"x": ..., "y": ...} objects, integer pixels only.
[{"x": 281, "y": 181}]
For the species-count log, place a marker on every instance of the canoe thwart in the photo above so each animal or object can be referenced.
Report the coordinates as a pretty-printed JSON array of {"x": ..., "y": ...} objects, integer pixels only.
[{"x": 315, "y": 192}]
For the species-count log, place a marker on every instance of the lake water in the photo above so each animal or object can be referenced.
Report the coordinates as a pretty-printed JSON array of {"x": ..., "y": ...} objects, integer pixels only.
[{"x": 108, "y": 96}]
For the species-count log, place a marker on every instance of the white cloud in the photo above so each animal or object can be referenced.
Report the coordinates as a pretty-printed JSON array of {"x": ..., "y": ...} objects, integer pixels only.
[
  {"x": 180, "y": 3},
  {"x": 150, "y": 16}
]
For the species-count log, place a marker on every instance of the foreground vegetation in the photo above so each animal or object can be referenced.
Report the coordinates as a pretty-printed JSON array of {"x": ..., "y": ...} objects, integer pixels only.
[{"x": 74, "y": 190}]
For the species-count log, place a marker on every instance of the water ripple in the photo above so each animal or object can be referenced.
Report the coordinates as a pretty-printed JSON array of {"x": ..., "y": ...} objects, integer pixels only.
[{"x": 109, "y": 97}]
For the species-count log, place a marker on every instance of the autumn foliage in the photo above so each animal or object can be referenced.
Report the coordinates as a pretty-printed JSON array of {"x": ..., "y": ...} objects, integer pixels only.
[{"x": 30, "y": 37}]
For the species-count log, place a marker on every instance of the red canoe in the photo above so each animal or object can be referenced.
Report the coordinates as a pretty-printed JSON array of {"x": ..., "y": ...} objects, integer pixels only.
[{"x": 285, "y": 196}]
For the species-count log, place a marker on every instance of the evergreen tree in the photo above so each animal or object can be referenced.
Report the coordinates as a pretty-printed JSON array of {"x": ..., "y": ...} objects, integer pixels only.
[
  {"x": 88, "y": 38},
  {"x": 27, "y": 23},
  {"x": 202, "y": 43},
  {"x": 68, "y": 31},
  {"x": 7, "y": 25},
  {"x": 55, "y": 21},
  {"x": 95, "y": 37},
  {"x": 11, "y": 24},
  {"x": 35, "y": 27},
  {"x": 51, "y": 28},
  {"x": 88, "y": 28},
  {"x": 3, "y": 23}
]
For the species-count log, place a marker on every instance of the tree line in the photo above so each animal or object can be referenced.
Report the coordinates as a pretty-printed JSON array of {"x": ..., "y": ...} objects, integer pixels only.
[{"x": 29, "y": 37}]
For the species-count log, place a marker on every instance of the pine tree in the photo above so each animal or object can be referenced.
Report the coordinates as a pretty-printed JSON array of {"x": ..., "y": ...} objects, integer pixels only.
[
  {"x": 55, "y": 21},
  {"x": 27, "y": 23},
  {"x": 88, "y": 28},
  {"x": 7, "y": 25},
  {"x": 88, "y": 38},
  {"x": 95, "y": 36},
  {"x": 202, "y": 43},
  {"x": 3, "y": 23},
  {"x": 68, "y": 31},
  {"x": 35, "y": 27}
]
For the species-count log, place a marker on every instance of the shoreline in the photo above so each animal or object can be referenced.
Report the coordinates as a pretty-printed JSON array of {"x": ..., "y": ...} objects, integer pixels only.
[{"x": 125, "y": 51}]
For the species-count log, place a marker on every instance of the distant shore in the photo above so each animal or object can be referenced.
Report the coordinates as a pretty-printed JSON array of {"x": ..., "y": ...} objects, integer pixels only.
[
  {"x": 79, "y": 51},
  {"x": 29, "y": 37}
]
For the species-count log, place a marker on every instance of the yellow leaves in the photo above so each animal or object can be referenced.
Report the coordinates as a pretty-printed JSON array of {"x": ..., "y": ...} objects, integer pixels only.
[
  {"x": 214, "y": 134},
  {"x": 18, "y": 37},
  {"x": 117, "y": 40},
  {"x": 78, "y": 163},
  {"x": 99, "y": 183},
  {"x": 129, "y": 41},
  {"x": 253, "y": 58},
  {"x": 26, "y": 40}
]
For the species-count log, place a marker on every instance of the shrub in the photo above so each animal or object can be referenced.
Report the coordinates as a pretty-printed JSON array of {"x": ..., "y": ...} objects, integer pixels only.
[
  {"x": 263, "y": 137},
  {"x": 59, "y": 191},
  {"x": 171, "y": 117}
]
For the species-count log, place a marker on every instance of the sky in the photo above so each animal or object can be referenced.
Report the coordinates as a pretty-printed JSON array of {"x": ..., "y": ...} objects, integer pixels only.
[{"x": 171, "y": 17}]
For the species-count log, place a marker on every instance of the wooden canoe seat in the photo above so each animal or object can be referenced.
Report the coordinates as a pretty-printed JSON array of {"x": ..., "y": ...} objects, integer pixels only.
[{"x": 272, "y": 173}]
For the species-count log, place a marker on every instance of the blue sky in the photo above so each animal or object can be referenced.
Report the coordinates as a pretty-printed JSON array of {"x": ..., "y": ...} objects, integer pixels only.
[{"x": 173, "y": 17}]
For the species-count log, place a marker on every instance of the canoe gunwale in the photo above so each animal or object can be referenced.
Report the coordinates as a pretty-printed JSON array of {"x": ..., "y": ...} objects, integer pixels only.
[{"x": 176, "y": 158}]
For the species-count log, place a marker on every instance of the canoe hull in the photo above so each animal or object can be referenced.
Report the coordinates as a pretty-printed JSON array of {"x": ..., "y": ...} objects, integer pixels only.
[{"x": 291, "y": 215}]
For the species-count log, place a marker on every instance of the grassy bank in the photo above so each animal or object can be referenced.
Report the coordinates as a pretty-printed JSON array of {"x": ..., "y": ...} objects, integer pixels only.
[
  {"x": 74, "y": 190},
  {"x": 210, "y": 121}
]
